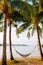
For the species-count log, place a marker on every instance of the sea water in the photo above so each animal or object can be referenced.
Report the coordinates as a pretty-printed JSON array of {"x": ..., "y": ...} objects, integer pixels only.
[{"x": 23, "y": 50}]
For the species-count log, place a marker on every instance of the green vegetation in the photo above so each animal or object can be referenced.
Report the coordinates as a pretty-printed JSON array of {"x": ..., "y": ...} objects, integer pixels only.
[
  {"x": 42, "y": 45},
  {"x": 13, "y": 12},
  {"x": 32, "y": 22},
  {"x": 21, "y": 62}
]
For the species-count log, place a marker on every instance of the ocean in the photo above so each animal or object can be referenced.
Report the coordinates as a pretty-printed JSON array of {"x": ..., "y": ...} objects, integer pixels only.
[{"x": 34, "y": 50}]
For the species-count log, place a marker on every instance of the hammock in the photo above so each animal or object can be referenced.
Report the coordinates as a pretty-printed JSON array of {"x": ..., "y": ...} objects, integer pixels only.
[{"x": 25, "y": 55}]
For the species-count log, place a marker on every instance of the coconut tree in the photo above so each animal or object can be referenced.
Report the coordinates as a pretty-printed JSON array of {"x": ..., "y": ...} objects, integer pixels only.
[
  {"x": 15, "y": 16},
  {"x": 9, "y": 19},
  {"x": 5, "y": 10},
  {"x": 34, "y": 21}
]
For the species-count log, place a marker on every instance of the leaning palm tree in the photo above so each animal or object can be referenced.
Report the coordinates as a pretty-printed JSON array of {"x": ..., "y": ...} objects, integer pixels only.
[
  {"x": 10, "y": 22},
  {"x": 9, "y": 19},
  {"x": 5, "y": 10},
  {"x": 15, "y": 16},
  {"x": 34, "y": 21}
]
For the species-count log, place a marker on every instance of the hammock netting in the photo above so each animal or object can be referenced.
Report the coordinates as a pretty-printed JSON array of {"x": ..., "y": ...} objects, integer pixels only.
[{"x": 25, "y": 55}]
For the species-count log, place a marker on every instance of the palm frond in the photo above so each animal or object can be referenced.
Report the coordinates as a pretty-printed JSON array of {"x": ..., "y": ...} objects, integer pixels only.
[
  {"x": 25, "y": 13},
  {"x": 33, "y": 30},
  {"x": 1, "y": 28},
  {"x": 40, "y": 31},
  {"x": 23, "y": 27},
  {"x": 39, "y": 15},
  {"x": 40, "y": 5},
  {"x": 30, "y": 28},
  {"x": 1, "y": 16},
  {"x": 14, "y": 24},
  {"x": 17, "y": 16},
  {"x": 1, "y": 22},
  {"x": 28, "y": 34}
]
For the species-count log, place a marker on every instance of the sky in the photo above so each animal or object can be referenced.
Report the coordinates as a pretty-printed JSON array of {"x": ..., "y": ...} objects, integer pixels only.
[{"x": 22, "y": 38}]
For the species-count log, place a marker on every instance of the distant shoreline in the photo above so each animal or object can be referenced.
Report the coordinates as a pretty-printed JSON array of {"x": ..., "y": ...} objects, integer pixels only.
[
  {"x": 18, "y": 45},
  {"x": 15, "y": 45}
]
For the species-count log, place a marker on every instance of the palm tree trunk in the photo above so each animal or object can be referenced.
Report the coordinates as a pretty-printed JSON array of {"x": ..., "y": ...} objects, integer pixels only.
[
  {"x": 40, "y": 5},
  {"x": 39, "y": 44},
  {"x": 10, "y": 43},
  {"x": 4, "y": 45}
]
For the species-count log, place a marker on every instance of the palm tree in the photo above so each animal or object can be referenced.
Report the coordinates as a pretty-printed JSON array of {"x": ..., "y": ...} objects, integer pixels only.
[
  {"x": 11, "y": 56},
  {"x": 4, "y": 8},
  {"x": 33, "y": 23},
  {"x": 4, "y": 45},
  {"x": 9, "y": 19},
  {"x": 15, "y": 16},
  {"x": 7, "y": 11}
]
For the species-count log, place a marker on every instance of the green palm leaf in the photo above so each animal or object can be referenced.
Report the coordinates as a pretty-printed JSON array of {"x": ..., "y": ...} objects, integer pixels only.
[
  {"x": 17, "y": 16},
  {"x": 1, "y": 28},
  {"x": 28, "y": 34},
  {"x": 39, "y": 15},
  {"x": 23, "y": 27},
  {"x": 33, "y": 30},
  {"x": 1, "y": 15},
  {"x": 40, "y": 31}
]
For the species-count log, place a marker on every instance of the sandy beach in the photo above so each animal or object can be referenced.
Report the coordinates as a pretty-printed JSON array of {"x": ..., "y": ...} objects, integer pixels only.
[
  {"x": 29, "y": 62},
  {"x": 25, "y": 62}
]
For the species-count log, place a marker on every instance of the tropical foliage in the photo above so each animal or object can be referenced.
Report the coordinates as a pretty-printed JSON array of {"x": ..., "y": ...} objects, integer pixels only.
[
  {"x": 35, "y": 10},
  {"x": 30, "y": 14}
]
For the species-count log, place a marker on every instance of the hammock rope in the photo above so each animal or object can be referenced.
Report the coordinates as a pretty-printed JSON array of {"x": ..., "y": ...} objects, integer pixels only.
[{"x": 25, "y": 55}]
